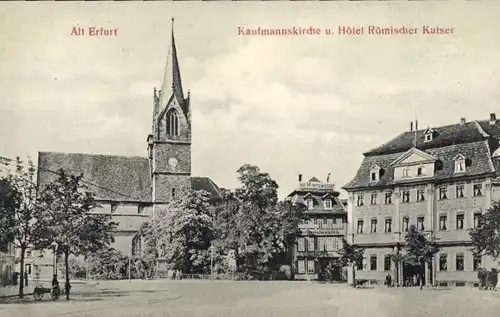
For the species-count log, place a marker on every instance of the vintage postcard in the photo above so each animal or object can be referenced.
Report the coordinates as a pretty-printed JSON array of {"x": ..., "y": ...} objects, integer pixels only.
[{"x": 249, "y": 159}]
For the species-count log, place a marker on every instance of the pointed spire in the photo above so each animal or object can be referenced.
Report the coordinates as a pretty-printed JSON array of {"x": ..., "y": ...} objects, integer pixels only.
[{"x": 172, "y": 82}]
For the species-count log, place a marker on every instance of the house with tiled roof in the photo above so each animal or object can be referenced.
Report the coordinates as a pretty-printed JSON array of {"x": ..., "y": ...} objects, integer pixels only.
[
  {"x": 321, "y": 236},
  {"x": 130, "y": 188},
  {"x": 439, "y": 179}
]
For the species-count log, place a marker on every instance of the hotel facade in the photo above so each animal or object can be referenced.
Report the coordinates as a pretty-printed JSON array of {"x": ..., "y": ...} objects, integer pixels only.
[
  {"x": 321, "y": 235},
  {"x": 440, "y": 180}
]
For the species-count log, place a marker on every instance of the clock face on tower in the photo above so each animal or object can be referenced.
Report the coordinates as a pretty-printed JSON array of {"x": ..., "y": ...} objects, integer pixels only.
[{"x": 173, "y": 162}]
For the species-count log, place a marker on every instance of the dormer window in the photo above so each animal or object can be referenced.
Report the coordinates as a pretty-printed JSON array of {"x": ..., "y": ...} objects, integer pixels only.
[
  {"x": 328, "y": 204},
  {"x": 310, "y": 203},
  {"x": 459, "y": 164},
  {"x": 375, "y": 173},
  {"x": 428, "y": 135}
]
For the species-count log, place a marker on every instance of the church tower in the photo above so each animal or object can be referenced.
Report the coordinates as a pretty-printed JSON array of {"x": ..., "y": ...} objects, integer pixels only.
[{"x": 169, "y": 144}]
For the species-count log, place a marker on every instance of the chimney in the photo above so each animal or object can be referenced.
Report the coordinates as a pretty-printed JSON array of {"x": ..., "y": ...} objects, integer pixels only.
[
  {"x": 300, "y": 177},
  {"x": 493, "y": 118},
  {"x": 416, "y": 125},
  {"x": 462, "y": 121},
  {"x": 411, "y": 126}
]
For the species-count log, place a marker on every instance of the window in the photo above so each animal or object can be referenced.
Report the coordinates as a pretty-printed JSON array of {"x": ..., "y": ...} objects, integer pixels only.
[
  {"x": 374, "y": 176},
  {"x": 339, "y": 244},
  {"x": 310, "y": 243},
  {"x": 478, "y": 190},
  {"x": 406, "y": 222},
  {"x": 428, "y": 136},
  {"x": 140, "y": 209},
  {"x": 420, "y": 195},
  {"x": 443, "y": 262},
  {"x": 388, "y": 198},
  {"x": 173, "y": 123},
  {"x": 301, "y": 246},
  {"x": 360, "y": 226},
  {"x": 310, "y": 203},
  {"x": 28, "y": 253},
  {"x": 310, "y": 266},
  {"x": 373, "y": 263},
  {"x": 173, "y": 192},
  {"x": 443, "y": 193},
  {"x": 373, "y": 200},
  {"x": 420, "y": 171},
  {"x": 360, "y": 200},
  {"x": 406, "y": 172},
  {"x": 460, "y": 221},
  {"x": 301, "y": 266},
  {"x": 459, "y": 262},
  {"x": 328, "y": 204},
  {"x": 420, "y": 224},
  {"x": 442, "y": 222},
  {"x": 374, "y": 225},
  {"x": 114, "y": 207},
  {"x": 460, "y": 191},
  {"x": 321, "y": 244},
  {"x": 388, "y": 225},
  {"x": 359, "y": 264},
  {"x": 28, "y": 269},
  {"x": 325, "y": 221},
  {"x": 459, "y": 166},
  {"x": 476, "y": 262},
  {"x": 330, "y": 245},
  {"x": 406, "y": 196},
  {"x": 477, "y": 216},
  {"x": 387, "y": 262}
]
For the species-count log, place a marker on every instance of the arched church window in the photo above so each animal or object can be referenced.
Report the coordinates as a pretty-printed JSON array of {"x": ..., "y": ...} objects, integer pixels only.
[{"x": 173, "y": 123}]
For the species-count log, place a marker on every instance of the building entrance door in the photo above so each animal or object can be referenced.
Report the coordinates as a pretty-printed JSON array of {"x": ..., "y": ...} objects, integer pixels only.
[
  {"x": 328, "y": 271},
  {"x": 413, "y": 275}
]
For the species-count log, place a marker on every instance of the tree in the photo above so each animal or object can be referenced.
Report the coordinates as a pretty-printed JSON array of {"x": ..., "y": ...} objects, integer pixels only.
[
  {"x": 350, "y": 255},
  {"x": 254, "y": 224},
  {"x": 418, "y": 250},
  {"x": 65, "y": 213},
  {"x": 19, "y": 206},
  {"x": 182, "y": 229},
  {"x": 485, "y": 236},
  {"x": 10, "y": 200},
  {"x": 108, "y": 264}
]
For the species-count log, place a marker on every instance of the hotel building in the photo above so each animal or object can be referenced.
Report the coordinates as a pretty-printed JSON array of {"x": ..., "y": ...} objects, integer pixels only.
[
  {"x": 321, "y": 236},
  {"x": 440, "y": 180}
]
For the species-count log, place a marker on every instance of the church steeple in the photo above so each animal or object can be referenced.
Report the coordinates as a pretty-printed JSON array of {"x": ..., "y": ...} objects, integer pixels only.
[{"x": 172, "y": 83}]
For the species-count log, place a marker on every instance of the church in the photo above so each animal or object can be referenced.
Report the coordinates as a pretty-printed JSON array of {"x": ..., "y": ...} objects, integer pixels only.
[{"x": 131, "y": 187}]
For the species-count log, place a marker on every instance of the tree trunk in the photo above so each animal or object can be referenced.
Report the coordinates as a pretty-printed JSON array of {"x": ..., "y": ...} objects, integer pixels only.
[
  {"x": 21, "y": 271},
  {"x": 353, "y": 274},
  {"x": 66, "y": 264}
]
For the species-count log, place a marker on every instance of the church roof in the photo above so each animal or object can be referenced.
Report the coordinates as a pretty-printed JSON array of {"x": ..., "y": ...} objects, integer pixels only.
[{"x": 111, "y": 177}]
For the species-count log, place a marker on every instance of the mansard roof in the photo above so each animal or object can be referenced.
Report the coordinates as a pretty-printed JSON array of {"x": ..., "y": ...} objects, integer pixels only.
[
  {"x": 468, "y": 132},
  {"x": 477, "y": 152},
  {"x": 111, "y": 177}
]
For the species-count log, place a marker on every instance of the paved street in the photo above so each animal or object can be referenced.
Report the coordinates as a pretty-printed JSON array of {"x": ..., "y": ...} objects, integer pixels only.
[{"x": 240, "y": 299}]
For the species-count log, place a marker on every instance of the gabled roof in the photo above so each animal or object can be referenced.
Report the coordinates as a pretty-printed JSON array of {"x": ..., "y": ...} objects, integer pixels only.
[
  {"x": 421, "y": 155},
  {"x": 459, "y": 157},
  {"x": 314, "y": 180},
  {"x": 375, "y": 167},
  {"x": 428, "y": 130}
]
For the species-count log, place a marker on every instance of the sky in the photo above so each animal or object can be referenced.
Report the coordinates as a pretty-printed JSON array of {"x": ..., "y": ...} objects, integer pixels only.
[{"x": 288, "y": 104}]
